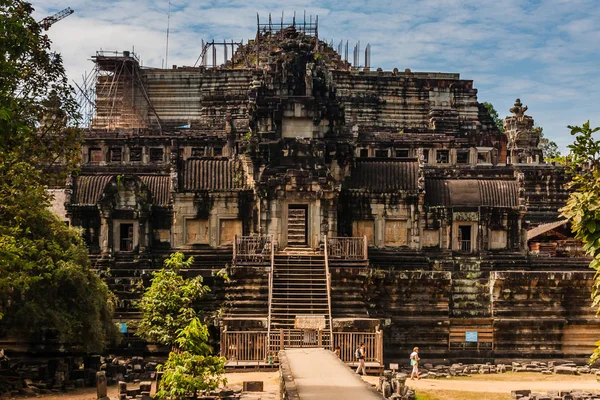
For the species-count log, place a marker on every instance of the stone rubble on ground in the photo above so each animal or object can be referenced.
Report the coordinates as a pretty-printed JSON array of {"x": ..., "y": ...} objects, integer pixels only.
[
  {"x": 393, "y": 386},
  {"x": 554, "y": 395},
  {"x": 429, "y": 371},
  {"x": 34, "y": 377}
]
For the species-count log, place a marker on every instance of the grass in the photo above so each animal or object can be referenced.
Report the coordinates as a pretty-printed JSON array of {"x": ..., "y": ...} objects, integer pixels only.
[{"x": 459, "y": 395}]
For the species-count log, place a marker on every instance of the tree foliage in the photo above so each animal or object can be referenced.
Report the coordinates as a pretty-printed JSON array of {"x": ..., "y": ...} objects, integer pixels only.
[
  {"x": 192, "y": 369},
  {"x": 168, "y": 305},
  {"x": 583, "y": 206},
  {"x": 46, "y": 286},
  {"x": 498, "y": 121},
  {"x": 37, "y": 106},
  {"x": 549, "y": 147},
  {"x": 169, "y": 317},
  {"x": 47, "y": 289}
]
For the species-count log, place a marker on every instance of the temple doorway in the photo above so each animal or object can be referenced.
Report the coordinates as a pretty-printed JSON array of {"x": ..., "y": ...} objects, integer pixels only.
[
  {"x": 464, "y": 237},
  {"x": 297, "y": 225},
  {"x": 126, "y": 237}
]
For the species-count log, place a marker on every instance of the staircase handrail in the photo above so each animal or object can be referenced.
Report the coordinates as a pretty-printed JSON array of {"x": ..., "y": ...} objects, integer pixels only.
[
  {"x": 235, "y": 239},
  {"x": 348, "y": 248},
  {"x": 271, "y": 273},
  {"x": 252, "y": 249},
  {"x": 328, "y": 277}
]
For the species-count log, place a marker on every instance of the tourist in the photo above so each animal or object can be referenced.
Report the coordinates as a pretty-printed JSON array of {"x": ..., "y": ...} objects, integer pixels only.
[
  {"x": 337, "y": 351},
  {"x": 360, "y": 355},
  {"x": 414, "y": 361}
]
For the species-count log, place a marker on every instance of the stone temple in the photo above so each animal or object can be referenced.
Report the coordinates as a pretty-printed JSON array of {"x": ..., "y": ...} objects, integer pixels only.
[{"x": 347, "y": 204}]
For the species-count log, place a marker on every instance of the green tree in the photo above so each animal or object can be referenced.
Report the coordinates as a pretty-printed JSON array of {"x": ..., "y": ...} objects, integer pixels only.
[
  {"x": 168, "y": 304},
  {"x": 549, "y": 148},
  {"x": 192, "y": 369},
  {"x": 583, "y": 206},
  {"x": 46, "y": 287},
  {"x": 498, "y": 121},
  {"x": 169, "y": 317}
]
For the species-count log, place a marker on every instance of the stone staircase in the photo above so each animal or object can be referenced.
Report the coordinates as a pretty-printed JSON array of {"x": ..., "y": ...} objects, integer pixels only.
[
  {"x": 297, "y": 226},
  {"x": 470, "y": 296},
  {"x": 299, "y": 287}
]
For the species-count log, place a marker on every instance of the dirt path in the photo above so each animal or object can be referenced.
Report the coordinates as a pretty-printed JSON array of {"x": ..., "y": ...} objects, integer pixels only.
[{"x": 504, "y": 383}]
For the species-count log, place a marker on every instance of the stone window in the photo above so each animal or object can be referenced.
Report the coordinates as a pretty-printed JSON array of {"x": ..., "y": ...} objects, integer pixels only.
[
  {"x": 115, "y": 154},
  {"x": 364, "y": 227},
  {"x": 498, "y": 239},
  {"x": 402, "y": 153},
  {"x": 442, "y": 157},
  {"x": 364, "y": 153},
  {"x": 462, "y": 156},
  {"x": 396, "y": 233},
  {"x": 483, "y": 157},
  {"x": 95, "y": 155},
  {"x": 431, "y": 238},
  {"x": 228, "y": 228},
  {"x": 198, "y": 152},
  {"x": 426, "y": 156},
  {"x": 196, "y": 231},
  {"x": 381, "y": 153},
  {"x": 218, "y": 151},
  {"x": 156, "y": 155},
  {"x": 135, "y": 154}
]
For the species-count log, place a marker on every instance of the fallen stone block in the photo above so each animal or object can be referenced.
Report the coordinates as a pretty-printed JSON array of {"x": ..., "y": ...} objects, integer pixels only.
[
  {"x": 519, "y": 393},
  {"x": 252, "y": 386},
  {"x": 565, "y": 370}
]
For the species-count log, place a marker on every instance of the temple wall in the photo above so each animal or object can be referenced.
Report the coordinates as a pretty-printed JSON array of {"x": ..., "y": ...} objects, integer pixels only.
[
  {"x": 210, "y": 220},
  {"x": 407, "y": 101},
  {"x": 198, "y": 95},
  {"x": 545, "y": 191},
  {"x": 529, "y": 313}
]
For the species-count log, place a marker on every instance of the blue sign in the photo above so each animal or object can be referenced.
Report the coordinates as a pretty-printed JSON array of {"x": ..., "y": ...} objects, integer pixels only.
[
  {"x": 471, "y": 337},
  {"x": 122, "y": 327}
]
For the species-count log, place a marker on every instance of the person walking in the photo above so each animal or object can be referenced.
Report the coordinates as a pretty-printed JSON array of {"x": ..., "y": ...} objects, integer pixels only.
[
  {"x": 360, "y": 355},
  {"x": 414, "y": 362}
]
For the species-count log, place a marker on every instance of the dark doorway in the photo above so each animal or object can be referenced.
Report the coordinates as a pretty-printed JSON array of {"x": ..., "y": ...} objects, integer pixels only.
[
  {"x": 126, "y": 237},
  {"x": 464, "y": 238},
  {"x": 297, "y": 228}
]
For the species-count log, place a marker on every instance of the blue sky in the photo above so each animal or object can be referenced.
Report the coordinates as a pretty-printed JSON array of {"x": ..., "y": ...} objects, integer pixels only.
[{"x": 546, "y": 52}]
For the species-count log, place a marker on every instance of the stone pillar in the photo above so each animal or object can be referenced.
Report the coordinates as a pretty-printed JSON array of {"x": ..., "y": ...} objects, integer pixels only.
[
  {"x": 101, "y": 390},
  {"x": 315, "y": 216},
  {"x": 105, "y": 232},
  {"x": 122, "y": 390},
  {"x": 144, "y": 233}
]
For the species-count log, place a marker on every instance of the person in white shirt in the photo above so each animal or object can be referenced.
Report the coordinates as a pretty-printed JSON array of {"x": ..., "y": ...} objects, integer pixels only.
[{"x": 414, "y": 361}]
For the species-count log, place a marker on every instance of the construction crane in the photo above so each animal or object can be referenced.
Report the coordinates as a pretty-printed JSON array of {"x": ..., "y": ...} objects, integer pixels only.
[{"x": 52, "y": 19}]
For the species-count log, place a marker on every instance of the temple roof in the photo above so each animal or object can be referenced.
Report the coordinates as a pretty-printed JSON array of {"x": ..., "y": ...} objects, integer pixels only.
[
  {"x": 471, "y": 193},
  {"x": 212, "y": 174},
  {"x": 384, "y": 175},
  {"x": 88, "y": 189}
]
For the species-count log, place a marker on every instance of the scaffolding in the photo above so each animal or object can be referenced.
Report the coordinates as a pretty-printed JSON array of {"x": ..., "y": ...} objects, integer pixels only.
[
  {"x": 309, "y": 28},
  {"x": 107, "y": 95},
  {"x": 210, "y": 49}
]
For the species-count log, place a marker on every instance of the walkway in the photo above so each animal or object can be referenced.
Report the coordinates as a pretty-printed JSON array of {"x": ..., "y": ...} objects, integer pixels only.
[{"x": 319, "y": 374}]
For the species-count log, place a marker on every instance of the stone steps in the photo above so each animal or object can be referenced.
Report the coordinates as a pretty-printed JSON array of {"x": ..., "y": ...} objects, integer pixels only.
[{"x": 299, "y": 287}]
